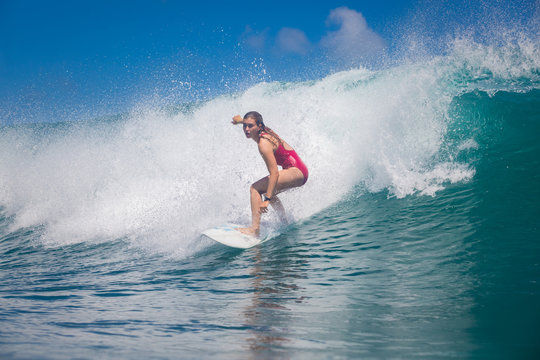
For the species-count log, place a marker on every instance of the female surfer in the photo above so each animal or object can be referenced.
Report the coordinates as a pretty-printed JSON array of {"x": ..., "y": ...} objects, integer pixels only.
[{"x": 274, "y": 152}]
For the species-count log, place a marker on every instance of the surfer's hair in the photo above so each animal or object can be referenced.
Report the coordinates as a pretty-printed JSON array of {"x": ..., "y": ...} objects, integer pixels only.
[
  {"x": 259, "y": 120},
  {"x": 255, "y": 116}
]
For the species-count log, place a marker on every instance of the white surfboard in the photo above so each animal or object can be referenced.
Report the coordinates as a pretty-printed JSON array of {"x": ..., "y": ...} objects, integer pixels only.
[{"x": 228, "y": 235}]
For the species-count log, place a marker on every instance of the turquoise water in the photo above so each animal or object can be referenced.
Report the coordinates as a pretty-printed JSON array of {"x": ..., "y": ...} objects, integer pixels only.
[{"x": 415, "y": 237}]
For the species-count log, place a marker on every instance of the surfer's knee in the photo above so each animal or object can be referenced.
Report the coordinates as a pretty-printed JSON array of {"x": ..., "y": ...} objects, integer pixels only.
[
  {"x": 259, "y": 186},
  {"x": 253, "y": 188}
]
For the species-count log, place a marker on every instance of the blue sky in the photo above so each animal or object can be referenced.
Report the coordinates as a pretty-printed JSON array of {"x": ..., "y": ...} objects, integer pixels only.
[{"x": 90, "y": 58}]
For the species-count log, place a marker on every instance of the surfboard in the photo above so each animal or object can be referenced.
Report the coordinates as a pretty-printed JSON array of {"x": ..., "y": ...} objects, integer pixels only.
[{"x": 228, "y": 235}]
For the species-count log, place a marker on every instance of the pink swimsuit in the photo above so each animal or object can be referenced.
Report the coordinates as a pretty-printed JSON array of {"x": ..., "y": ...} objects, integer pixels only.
[{"x": 289, "y": 158}]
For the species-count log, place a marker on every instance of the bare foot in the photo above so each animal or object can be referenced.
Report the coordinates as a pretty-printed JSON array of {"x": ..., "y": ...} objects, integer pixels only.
[{"x": 249, "y": 231}]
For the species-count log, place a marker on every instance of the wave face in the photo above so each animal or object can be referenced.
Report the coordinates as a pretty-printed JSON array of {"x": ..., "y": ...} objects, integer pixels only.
[{"x": 156, "y": 177}]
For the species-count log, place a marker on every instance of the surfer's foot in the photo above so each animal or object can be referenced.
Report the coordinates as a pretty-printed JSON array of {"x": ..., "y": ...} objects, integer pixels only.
[{"x": 249, "y": 231}]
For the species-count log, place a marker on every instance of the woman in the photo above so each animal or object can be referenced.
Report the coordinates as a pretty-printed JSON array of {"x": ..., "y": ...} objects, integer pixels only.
[{"x": 274, "y": 152}]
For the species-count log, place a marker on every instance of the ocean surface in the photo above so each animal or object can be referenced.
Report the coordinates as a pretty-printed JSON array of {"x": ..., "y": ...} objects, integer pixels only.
[{"x": 416, "y": 236}]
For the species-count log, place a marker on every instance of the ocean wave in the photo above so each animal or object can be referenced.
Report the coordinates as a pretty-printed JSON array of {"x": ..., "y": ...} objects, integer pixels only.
[{"x": 158, "y": 177}]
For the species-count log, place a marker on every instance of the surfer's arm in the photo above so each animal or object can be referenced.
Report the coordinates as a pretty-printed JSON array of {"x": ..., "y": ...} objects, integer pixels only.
[
  {"x": 237, "y": 119},
  {"x": 267, "y": 152}
]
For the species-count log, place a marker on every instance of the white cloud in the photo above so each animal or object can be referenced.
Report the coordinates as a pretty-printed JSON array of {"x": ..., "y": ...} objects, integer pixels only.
[
  {"x": 353, "y": 40},
  {"x": 292, "y": 41},
  {"x": 255, "y": 40}
]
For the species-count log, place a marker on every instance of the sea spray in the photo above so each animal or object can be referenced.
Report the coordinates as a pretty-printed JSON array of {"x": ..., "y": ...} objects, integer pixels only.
[{"x": 156, "y": 178}]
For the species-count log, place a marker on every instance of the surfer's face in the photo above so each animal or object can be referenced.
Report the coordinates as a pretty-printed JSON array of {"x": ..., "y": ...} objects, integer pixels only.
[{"x": 251, "y": 129}]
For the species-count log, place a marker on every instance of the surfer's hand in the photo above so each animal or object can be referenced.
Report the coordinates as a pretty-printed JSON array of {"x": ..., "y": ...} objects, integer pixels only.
[
  {"x": 264, "y": 207},
  {"x": 237, "y": 119}
]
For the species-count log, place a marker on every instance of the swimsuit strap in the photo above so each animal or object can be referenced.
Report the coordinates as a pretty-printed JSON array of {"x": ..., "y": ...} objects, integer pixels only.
[{"x": 279, "y": 141}]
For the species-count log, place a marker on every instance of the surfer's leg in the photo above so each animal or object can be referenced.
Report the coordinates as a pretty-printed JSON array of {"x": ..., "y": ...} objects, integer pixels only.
[
  {"x": 255, "y": 191},
  {"x": 288, "y": 179},
  {"x": 278, "y": 206},
  {"x": 255, "y": 195}
]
